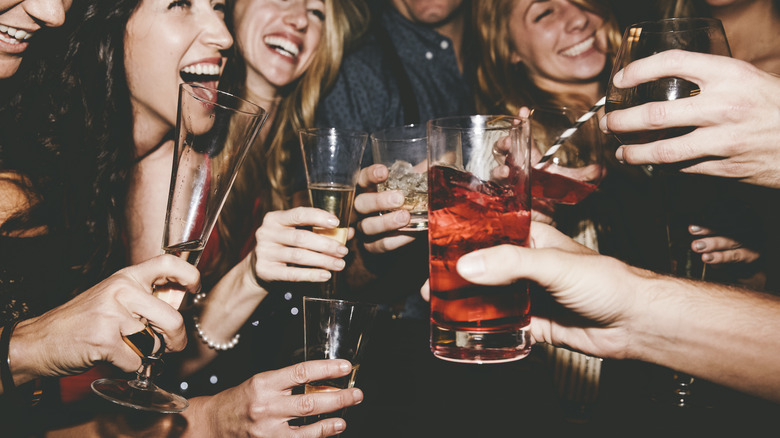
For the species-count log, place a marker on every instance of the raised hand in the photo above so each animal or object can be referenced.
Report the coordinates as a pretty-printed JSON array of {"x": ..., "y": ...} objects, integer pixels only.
[
  {"x": 263, "y": 405},
  {"x": 715, "y": 249},
  {"x": 71, "y": 338},
  {"x": 285, "y": 252},
  {"x": 737, "y": 115},
  {"x": 379, "y": 234}
]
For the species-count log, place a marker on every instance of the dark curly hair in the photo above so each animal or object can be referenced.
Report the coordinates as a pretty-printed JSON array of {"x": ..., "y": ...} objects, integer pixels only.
[{"x": 73, "y": 128}]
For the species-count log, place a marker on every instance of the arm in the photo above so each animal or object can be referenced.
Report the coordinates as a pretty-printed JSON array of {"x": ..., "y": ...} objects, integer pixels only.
[
  {"x": 737, "y": 115},
  {"x": 719, "y": 333},
  {"x": 283, "y": 253}
]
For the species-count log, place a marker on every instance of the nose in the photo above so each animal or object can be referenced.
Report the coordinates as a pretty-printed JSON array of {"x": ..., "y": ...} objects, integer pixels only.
[
  {"x": 49, "y": 13},
  {"x": 296, "y": 15},
  {"x": 576, "y": 17},
  {"x": 216, "y": 33}
]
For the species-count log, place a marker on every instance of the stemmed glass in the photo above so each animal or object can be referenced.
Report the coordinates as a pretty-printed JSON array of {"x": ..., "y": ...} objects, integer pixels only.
[
  {"x": 682, "y": 193},
  {"x": 332, "y": 160},
  {"x": 214, "y": 131}
]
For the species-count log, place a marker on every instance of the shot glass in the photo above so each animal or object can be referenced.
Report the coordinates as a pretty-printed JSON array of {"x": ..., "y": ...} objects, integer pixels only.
[
  {"x": 404, "y": 151},
  {"x": 335, "y": 329},
  {"x": 479, "y": 196}
]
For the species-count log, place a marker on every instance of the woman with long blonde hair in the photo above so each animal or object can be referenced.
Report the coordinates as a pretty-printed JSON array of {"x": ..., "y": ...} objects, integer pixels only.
[{"x": 286, "y": 53}]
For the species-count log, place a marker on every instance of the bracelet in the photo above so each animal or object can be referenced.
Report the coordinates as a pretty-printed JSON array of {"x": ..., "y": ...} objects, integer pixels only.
[
  {"x": 210, "y": 343},
  {"x": 9, "y": 388},
  {"x": 198, "y": 298}
]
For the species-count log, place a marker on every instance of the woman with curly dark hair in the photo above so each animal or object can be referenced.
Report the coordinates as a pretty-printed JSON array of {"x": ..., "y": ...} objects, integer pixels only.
[{"x": 103, "y": 113}]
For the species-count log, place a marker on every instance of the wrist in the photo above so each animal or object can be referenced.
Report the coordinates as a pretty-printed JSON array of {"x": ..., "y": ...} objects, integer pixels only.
[
  {"x": 200, "y": 416},
  {"x": 23, "y": 359}
]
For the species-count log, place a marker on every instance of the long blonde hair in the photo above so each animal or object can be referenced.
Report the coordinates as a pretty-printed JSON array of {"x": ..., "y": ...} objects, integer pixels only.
[
  {"x": 504, "y": 87},
  {"x": 267, "y": 169}
]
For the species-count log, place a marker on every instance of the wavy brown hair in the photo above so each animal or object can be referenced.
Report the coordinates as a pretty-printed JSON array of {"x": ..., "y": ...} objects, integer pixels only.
[
  {"x": 266, "y": 173},
  {"x": 503, "y": 86}
]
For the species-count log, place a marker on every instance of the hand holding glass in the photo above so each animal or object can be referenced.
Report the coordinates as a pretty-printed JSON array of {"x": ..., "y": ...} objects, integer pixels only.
[
  {"x": 404, "y": 151},
  {"x": 336, "y": 329},
  {"x": 214, "y": 131}
]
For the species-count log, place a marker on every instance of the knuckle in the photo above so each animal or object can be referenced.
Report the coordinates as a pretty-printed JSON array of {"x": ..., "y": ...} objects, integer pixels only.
[
  {"x": 306, "y": 405},
  {"x": 299, "y": 374},
  {"x": 297, "y": 254},
  {"x": 656, "y": 115},
  {"x": 299, "y": 237}
]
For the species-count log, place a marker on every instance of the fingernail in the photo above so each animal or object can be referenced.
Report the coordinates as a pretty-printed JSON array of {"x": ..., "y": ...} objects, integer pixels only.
[
  {"x": 339, "y": 426},
  {"x": 402, "y": 217},
  {"x": 397, "y": 199},
  {"x": 471, "y": 266},
  {"x": 333, "y": 221},
  {"x": 380, "y": 171},
  {"x": 619, "y": 155},
  {"x": 357, "y": 395},
  {"x": 342, "y": 250},
  {"x": 695, "y": 228},
  {"x": 325, "y": 275},
  {"x": 339, "y": 264},
  {"x": 707, "y": 257},
  {"x": 345, "y": 366},
  {"x": 617, "y": 78},
  {"x": 700, "y": 246},
  {"x": 603, "y": 125}
]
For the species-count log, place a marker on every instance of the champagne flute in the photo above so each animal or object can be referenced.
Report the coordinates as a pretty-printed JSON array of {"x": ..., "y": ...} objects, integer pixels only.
[
  {"x": 332, "y": 160},
  {"x": 214, "y": 131},
  {"x": 680, "y": 192}
]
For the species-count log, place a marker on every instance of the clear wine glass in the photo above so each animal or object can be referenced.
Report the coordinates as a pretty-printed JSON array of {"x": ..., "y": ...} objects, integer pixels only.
[
  {"x": 214, "y": 131},
  {"x": 682, "y": 199},
  {"x": 572, "y": 160}
]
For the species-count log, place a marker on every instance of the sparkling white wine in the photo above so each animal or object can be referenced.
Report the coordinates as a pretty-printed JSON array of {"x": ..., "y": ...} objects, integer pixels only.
[{"x": 336, "y": 199}]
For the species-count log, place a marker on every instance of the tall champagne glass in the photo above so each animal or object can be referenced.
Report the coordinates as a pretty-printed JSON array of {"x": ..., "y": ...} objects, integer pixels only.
[
  {"x": 332, "y": 160},
  {"x": 214, "y": 131},
  {"x": 680, "y": 192}
]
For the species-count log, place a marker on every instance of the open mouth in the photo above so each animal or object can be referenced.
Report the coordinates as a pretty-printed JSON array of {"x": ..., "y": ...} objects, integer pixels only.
[
  {"x": 12, "y": 35},
  {"x": 282, "y": 46},
  {"x": 203, "y": 73},
  {"x": 580, "y": 48}
]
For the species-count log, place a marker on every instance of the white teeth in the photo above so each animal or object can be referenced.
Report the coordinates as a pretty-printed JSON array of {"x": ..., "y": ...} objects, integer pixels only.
[
  {"x": 17, "y": 34},
  {"x": 202, "y": 69},
  {"x": 282, "y": 44},
  {"x": 579, "y": 48}
]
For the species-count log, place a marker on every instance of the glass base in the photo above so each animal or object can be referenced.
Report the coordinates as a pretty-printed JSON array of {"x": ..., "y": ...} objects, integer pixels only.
[
  {"x": 152, "y": 399},
  {"x": 465, "y": 346}
]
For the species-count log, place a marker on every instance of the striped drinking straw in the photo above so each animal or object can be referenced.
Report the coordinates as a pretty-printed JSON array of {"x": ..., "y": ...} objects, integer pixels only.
[{"x": 569, "y": 132}]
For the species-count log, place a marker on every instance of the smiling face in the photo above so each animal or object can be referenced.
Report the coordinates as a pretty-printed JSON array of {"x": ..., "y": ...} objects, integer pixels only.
[
  {"x": 168, "y": 42},
  {"x": 278, "y": 39},
  {"x": 557, "y": 41},
  {"x": 19, "y": 20}
]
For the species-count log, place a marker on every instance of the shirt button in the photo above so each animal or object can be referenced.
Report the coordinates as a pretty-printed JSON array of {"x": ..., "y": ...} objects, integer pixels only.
[
  {"x": 428, "y": 55},
  {"x": 444, "y": 45}
]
